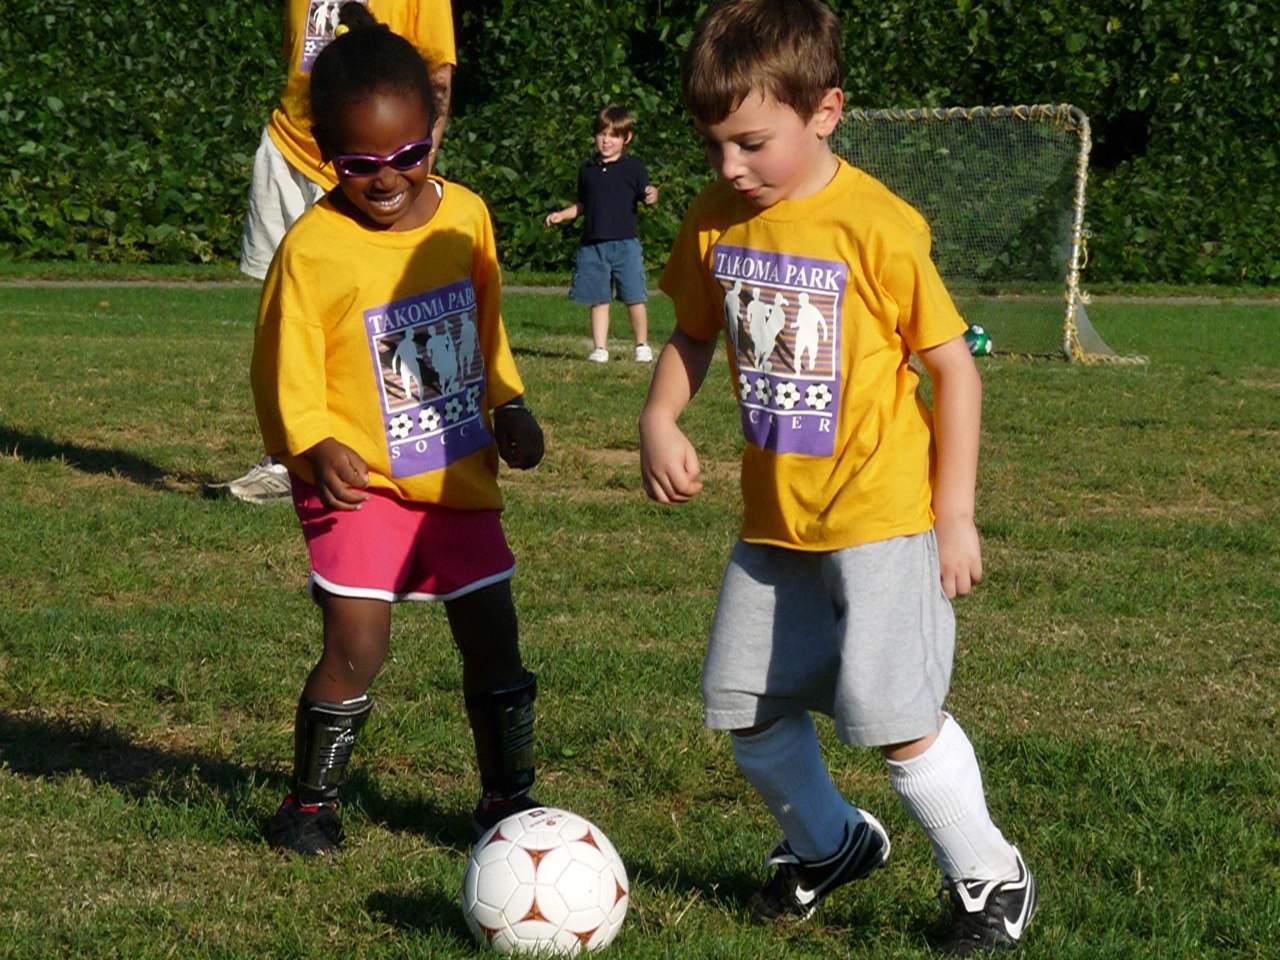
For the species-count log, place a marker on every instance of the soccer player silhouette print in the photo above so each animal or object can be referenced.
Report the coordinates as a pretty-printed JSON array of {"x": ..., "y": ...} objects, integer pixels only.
[
  {"x": 732, "y": 310},
  {"x": 808, "y": 319},
  {"x": 443, "y": 357},
  {"x": 404, "y": 363}
]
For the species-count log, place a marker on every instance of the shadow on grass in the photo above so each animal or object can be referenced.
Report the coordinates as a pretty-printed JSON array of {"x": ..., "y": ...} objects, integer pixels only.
[
  {"x": 98, "y": 460},
  {"x": 546, "y": 354},
  {"x": 444, "y": 828},
  {"x": 430, "y": 911},
  {"x": 848, "y": 917},
  {"x": 48, "y": 747},
  {"x": 52, "y": 747}
]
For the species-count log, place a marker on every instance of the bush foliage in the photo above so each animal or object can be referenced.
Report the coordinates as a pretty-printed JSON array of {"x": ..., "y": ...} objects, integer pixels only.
[{"x": 130, "y": 129}]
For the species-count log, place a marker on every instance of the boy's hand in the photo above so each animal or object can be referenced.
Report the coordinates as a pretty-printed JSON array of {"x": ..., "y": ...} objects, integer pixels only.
[
  {"x": 650, "y": 195},
  {"x": 340, "y": 473},
  {"x": 959, "y": 555},
  {"x": 553, "y": 218},
  {"x": 668, "y": 463},
  {"x": 518, "y": 435}
]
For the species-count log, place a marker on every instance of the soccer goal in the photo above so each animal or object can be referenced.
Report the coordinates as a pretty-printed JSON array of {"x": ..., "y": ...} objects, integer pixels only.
[{"x": 1003, "y": 189}]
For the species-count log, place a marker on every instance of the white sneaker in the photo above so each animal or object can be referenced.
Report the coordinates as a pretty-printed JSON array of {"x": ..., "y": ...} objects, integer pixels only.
[
  {"x": 265, "y": 482},
  {"x": 643, "y": 353},
  {"x": 598, "y": 355}
]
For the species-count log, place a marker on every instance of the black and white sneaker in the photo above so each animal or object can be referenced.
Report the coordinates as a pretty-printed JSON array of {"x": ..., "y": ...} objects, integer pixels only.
[
  {"x": 308, "y": 829},
  {"x": 797, "y": 887},
  {"x": 989, "y": 915}
]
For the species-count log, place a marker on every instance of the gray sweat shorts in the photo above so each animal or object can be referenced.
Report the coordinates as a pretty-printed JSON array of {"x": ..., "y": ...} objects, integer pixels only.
[{"x": 865, "y": 635}]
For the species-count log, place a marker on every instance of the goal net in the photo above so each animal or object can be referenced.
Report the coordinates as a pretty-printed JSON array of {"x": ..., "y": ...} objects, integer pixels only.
[{"x": 1003, "y": 190}]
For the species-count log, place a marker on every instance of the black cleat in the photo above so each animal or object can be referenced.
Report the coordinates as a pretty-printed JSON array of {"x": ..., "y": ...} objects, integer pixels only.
[
  {"x": 493, "y": 810},
  {"x": 796, "y": 888},
  {"x": 989, "y": 915},
  {"x": 308, "y": 829}
]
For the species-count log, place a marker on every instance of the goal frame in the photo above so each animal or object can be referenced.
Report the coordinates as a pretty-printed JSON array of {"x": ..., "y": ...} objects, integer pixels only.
[{"x": 1080, "y": 342}]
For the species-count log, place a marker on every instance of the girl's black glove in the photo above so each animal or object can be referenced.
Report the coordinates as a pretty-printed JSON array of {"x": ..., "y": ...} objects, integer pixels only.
[{"x": 518, "y": 435}]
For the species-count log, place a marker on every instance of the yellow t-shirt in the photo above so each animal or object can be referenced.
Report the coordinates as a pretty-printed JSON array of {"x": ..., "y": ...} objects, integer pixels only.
[
  {"x": 392, "y": 343},
  {"x": 821, "y": 301},
  {"x": 427, "y": 24}
]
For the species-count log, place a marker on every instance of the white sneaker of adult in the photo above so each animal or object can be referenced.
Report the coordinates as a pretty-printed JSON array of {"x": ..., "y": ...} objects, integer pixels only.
[{"x": 265, "y": 482}]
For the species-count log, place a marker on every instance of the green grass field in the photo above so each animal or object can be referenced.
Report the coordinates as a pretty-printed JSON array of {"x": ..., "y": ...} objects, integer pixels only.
[{"x": 1117, "y": 671}]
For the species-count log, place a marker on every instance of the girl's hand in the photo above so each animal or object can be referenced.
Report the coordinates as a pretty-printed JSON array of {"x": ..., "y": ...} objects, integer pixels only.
[
  {"x": 518, "y": 435},
  {"x": 340, "y": 473},
  {"x": 668, "y": 463},
  {"x": 959, "y": 555}
]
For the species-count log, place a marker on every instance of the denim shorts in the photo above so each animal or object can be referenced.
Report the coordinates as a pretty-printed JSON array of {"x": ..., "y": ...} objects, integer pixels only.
[{"x": 606, "y": 266}]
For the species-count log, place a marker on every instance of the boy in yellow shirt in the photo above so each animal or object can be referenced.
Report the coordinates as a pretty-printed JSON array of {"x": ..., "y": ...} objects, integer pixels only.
[{"x": 858, "y": 525}]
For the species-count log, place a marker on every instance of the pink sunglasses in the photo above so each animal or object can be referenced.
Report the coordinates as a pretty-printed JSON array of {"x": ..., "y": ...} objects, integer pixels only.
[{"x": 406, "y": 158}]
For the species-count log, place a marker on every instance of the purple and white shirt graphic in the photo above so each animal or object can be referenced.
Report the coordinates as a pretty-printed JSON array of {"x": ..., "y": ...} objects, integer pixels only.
[
  {"x": 430, "y": 375},
  {"x": 322, "y": 19},
  {"x": 782, "y": 315}
]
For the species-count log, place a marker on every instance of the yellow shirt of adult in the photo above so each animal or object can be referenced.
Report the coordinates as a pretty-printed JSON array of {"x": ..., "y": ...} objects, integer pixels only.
[
  {"x": 821, "y": 301},
  {"x": 427, "y": 24},
  {"x": 393, "y": 344}
]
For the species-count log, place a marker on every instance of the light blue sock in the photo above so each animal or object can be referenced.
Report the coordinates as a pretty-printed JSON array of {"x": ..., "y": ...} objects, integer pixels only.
[{"x": 784, "y": 764}]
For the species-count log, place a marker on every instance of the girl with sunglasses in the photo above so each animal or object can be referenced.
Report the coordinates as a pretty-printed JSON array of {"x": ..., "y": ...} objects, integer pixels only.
[
  {"x": 384, "y": 381},
  {"x": 289, "y": 174}
]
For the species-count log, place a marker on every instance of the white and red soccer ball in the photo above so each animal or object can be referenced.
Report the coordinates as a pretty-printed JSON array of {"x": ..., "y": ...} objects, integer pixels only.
[{"x": 544, "y": 881}]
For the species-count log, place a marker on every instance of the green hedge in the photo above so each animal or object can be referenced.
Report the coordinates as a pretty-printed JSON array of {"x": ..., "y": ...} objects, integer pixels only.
[{"x": 130, "y": 131}]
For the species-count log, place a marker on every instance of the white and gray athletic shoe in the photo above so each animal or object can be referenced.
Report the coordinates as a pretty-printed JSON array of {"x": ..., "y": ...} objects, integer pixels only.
[
  {"x": 989, "y": 915},
  {"x": 798, "y": 886},
  {"x": 266, "y": 482}
]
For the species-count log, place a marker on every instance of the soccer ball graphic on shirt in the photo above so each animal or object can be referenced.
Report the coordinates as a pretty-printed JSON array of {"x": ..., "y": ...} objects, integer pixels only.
[{"x": 544, "y": 881}]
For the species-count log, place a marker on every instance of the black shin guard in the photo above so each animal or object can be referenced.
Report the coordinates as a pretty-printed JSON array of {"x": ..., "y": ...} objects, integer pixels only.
[
  {"x": 502, "y": 724},
  {"x": 324, "y": 735}
]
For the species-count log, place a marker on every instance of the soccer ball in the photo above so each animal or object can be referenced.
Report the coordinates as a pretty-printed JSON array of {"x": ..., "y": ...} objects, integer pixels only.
[
  {"x": 978, "y": 340},
  {"x": 544, "y": 881}
]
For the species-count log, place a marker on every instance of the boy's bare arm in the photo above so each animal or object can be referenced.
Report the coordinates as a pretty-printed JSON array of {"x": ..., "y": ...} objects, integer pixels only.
[
  {"x": 668, "y": 462},
  {"x": 560, "y": 216},
  {"x": 957, "y": 422}
]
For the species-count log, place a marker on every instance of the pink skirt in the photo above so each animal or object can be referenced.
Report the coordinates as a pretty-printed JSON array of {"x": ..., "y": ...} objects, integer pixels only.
[{"x": 392, "y": 550}]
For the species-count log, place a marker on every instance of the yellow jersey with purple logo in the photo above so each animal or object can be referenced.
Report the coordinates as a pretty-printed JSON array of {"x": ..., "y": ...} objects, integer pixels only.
[
  {"x": 820, "y": 302},
  {"x": 309, "y": 26},
  {"x": 393, "y": 344}
]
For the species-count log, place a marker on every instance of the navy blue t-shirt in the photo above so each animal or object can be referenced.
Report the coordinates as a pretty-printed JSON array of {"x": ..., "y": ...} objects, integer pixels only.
[{"x": 608, "y": 194}]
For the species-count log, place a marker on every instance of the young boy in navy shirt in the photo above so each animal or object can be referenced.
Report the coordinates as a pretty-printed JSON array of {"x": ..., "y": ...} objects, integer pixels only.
[{"x": 610, "y": 185}]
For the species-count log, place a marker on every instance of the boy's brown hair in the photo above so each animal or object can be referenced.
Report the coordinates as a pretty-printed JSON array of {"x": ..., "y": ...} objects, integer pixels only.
[
  {"x": 788, "y": 49},
  {"x": 618, "y": 119}
]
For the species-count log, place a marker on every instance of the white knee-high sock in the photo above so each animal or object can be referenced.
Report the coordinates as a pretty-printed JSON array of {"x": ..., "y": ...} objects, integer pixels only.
[
  {"x": 785, "y": 766},
  {"x": 942, "y": 790}
]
